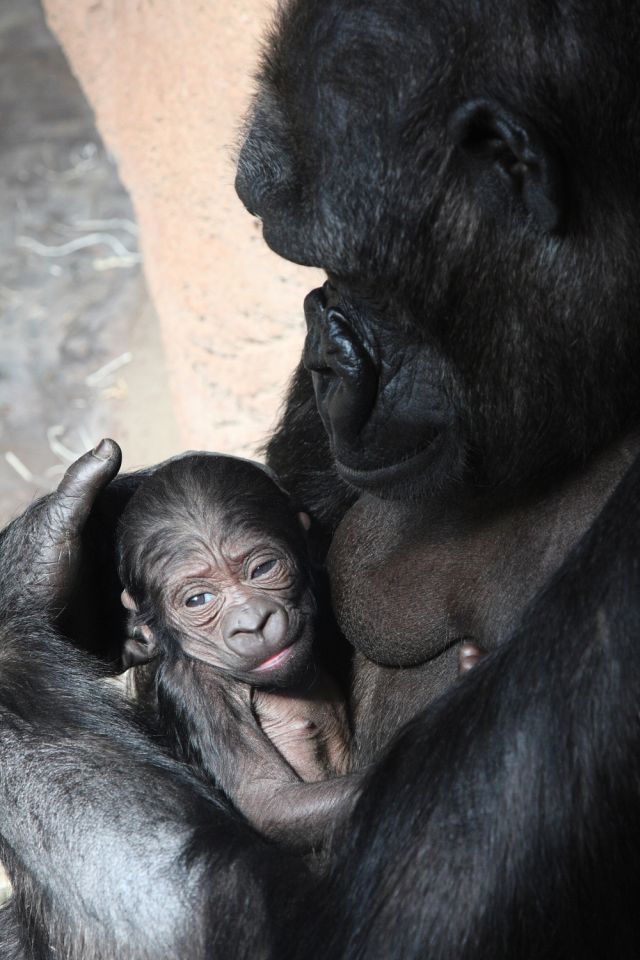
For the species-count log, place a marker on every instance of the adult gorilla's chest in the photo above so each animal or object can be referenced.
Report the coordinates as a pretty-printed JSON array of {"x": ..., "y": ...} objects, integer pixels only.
[{"x": 409, "y": 581}]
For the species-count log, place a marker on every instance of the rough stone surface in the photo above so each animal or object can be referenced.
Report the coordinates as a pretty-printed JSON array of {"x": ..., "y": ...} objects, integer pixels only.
[
  {"x": 169, "y": 83},
  {"x": 73, "y": 304}
]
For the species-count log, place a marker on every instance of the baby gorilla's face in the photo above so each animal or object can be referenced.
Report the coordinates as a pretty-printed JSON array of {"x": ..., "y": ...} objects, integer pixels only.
[{"x": 243, "y": 606}]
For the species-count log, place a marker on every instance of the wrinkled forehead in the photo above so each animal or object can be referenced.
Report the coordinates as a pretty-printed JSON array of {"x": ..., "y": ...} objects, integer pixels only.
[{"x": 221, "y": 549}]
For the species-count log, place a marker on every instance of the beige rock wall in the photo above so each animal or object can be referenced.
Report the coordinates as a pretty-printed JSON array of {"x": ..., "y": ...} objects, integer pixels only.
[{"x": 170, "y": 82}]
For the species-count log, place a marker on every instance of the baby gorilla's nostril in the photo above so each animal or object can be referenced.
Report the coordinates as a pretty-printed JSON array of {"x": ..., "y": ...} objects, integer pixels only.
[
  {"x": 248, "y": 618},
  {"x": 256, "y": 628}
]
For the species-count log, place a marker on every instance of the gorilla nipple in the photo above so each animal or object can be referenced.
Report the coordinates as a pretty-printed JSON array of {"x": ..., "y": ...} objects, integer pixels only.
[{"x": 469, "y": 654}]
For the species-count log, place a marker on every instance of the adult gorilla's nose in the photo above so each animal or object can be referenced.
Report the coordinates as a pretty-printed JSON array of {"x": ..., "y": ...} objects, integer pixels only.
[
  {"x": 248, "y": 184},
  {"x": 344, "y": 374},
  {"x": 257, "y": 170},
  {"x": 256, "y": 628}
]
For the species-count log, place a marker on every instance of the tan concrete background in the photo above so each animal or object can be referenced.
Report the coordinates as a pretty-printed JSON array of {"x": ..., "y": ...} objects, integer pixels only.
[
  {"x": 169, "y": 83},
  {"x": 80, "y": 349}
]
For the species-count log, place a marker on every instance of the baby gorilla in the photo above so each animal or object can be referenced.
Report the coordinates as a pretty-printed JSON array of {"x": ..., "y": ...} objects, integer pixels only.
[{"x": 215, "y": 567}]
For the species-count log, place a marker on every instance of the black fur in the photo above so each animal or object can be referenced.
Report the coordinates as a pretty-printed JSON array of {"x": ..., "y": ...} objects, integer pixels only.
[
  {"x": 151, "y": 852},
  {"x": 467, "y": 175},
  {"x": 448, "y": 279},
  {"x": 516, "y": 831}
]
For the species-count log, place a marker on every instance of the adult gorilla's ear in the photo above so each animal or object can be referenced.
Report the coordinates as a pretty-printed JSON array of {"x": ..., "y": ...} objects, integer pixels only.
[{"x": 508, "y": 163}]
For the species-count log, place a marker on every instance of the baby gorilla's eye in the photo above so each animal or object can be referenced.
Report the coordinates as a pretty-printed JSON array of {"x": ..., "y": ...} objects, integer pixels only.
[
  {"x": 263, "y": 568},
  {"x": 199, "y": 600}
]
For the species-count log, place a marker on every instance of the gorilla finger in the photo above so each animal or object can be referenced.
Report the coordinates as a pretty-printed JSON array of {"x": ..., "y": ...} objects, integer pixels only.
[{"x": 84, "y": 480}]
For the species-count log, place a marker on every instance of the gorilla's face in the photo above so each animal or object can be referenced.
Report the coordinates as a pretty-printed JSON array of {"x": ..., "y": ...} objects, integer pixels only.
[{"x": 464, "y": 332}]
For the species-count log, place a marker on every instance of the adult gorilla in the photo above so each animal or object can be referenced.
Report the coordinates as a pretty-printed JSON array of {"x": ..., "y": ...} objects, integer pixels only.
[{"x": 466, "y": 174}]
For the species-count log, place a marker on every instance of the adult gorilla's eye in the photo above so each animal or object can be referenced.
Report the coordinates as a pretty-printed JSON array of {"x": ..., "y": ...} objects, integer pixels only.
[
  {"x": 199, "y": 600},
  {"x": 263, "y": 568}
]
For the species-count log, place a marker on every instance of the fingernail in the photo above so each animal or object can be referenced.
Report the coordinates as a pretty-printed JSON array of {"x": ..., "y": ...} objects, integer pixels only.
[{"x": 102, "y": 450}]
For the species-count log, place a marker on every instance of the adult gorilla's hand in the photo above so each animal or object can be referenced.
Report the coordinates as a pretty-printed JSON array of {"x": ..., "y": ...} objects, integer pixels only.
[{"x": 44, "y": 544}]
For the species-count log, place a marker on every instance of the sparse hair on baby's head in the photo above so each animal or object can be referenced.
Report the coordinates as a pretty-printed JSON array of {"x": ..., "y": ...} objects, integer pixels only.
[{"x": 205, "y": 495}]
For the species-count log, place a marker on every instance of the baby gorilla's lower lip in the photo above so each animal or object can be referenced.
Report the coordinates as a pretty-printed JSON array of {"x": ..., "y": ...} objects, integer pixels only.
[{"x": 276, "y": 660}]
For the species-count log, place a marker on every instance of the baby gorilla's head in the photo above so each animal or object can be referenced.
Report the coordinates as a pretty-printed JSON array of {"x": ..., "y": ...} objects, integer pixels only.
[{"x": 214, "y": 563}]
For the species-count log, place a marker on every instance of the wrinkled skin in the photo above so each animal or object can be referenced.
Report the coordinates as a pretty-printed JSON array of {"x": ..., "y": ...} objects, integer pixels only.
[
  {"x": 467, "y": 176},
  {"x": 215, "y": 566},
  {"x": 214, "y": 560}
]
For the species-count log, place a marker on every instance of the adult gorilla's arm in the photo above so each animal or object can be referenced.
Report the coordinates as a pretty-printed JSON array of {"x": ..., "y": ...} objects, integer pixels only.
[
  {"x": 42, "y": 548},
  {"x": 112, "y": 848},
  {"x": 504, "y": 822},
  {"x": 94, "y": 618}
]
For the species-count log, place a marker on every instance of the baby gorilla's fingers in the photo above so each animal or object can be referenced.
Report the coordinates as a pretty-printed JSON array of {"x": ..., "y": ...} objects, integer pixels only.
[{"x": 72, "y": 502}]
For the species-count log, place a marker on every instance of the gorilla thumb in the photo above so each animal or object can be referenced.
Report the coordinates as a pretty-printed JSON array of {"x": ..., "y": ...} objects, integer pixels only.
[{"x": 83, "y": 481}]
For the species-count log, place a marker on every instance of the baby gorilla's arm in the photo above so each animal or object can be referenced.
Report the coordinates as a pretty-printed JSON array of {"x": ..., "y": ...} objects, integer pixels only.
[
  {"x": 308, "y": 727},
  {"x": 215, "y": 716}
]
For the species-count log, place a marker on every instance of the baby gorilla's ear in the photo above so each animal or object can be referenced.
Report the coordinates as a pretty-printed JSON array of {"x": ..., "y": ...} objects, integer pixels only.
[
  {"x": 305, "y": 520},
  {"x": 141, "y": 646},
  {"x": 127, "y": 600}
]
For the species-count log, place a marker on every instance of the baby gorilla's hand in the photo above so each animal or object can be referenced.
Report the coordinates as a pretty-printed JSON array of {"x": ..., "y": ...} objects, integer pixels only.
[
  {"x": 308, "y": 727},
  {"x": 234, "y": 752}
]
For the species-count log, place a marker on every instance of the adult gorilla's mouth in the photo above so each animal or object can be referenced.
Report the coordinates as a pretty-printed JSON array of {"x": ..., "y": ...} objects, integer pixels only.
[
  {"x": 399, "y": 470},
  {"x": 384, "y": 429}
]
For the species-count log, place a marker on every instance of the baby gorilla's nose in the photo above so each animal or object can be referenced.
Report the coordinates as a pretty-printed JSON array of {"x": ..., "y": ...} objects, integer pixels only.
[{"x": 255, "y": 629}]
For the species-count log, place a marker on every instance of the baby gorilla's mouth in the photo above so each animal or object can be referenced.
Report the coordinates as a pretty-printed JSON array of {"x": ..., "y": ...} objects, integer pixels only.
[
  {"x": 287, "y": 666},
  {"x": 276, "y": 659}
]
